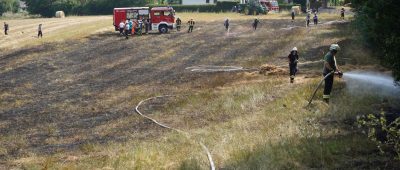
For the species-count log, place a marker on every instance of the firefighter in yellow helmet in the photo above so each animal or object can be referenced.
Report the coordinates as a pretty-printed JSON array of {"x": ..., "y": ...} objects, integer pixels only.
[{"x": 330, "y": 67}]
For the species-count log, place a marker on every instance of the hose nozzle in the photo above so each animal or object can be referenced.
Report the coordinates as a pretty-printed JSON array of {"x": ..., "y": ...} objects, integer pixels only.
[{"x": 339, "y": 73}]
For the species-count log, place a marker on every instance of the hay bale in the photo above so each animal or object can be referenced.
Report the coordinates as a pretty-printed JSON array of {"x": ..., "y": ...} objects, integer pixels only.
[
  {"x": 60, "y": 14},
  {"x": 267, "y": 69},
  {"x": 296, "y": 9}
]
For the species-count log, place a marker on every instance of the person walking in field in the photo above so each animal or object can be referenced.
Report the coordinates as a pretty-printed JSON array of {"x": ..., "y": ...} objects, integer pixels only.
[
  {"x": 315, "y": 19},
  {"x": 255, "y": 23},
  {"x": 178, "y": 24},
  {"x": 6, "y": 27},
  {"x": 40, "y": 33},
  {"x": 293, "y": 15},
  {"x": 191, "y": 25},
  {"x": 147, "y": 25},
  {"x": 293, "y": 59},
  {"x": 308, "y": 17},
  {"x": 121, "y": 28},
  {"x": 226, "y": 24},
  {"x": 330, "y": 67},
  {"x": 130, "y": 22},
  {"x": 127, "y": 29},
  {"x": 342, "y": 13},
  {"x": 140, "y": 27}
]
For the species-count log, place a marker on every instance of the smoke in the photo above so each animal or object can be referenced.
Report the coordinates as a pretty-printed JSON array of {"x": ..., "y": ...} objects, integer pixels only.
[{"x": 371, "y": 83}]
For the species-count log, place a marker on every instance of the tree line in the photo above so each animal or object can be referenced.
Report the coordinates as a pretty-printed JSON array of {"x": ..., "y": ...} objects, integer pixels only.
[
  {"x": 378, "y": 21},
  {"x": 9, "y": 6},
  {"x": 47, "y": 8}
]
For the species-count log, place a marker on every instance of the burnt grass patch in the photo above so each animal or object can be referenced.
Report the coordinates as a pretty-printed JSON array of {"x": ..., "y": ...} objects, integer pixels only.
[{"x": 56, "y": 96}]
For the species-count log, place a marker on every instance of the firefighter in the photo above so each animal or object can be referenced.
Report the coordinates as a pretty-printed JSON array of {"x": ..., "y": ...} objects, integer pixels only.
[
  {"x": 329, "y": 67},
  {"x": 255, "y": 23},
  {"x": 342, "y": 13},
  {"x": 140, "y": 27},
  {"x": 191, "y": 25},
  {"x": 293, "y": 59},
  {"x": 226, "y": 24},
  {"x": 126, "y": 29},
  {"x": 121, "y": 28},
  {"x": 6, "y": 27},
  {"x": 147, "y": 25},
  {"x": 315, "y": 18},
  {"x": 130, "y": 22},
  {"x": 293, "y": 15},
  {"x": 40, "y": 33},
  {"x": 178, "y": 24}
]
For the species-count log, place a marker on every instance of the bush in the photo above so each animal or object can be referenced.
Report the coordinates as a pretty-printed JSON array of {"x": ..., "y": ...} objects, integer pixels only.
[
  {"x": 47, "y": 8},
  {"x": 283, "y": 7},
  {"x": 191, "y": 8},
  {"x": 225, "y": 6},
  {"x": 384, "y": 133},
  {"x": 219, "y": 7}
]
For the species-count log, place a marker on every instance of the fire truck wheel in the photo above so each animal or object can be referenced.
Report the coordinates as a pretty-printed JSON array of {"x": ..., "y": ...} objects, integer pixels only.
[{"x": 163, "y": 29}]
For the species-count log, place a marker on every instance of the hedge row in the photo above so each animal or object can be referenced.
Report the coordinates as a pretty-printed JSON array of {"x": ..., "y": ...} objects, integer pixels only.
[
  {"x": 219, "y": 7},
  {"x": 283, "y": 7}
]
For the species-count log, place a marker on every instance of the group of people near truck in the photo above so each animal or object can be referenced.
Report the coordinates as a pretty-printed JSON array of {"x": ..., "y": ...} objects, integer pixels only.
[
  {"x": 39, "y": 32},
  {"x": 132, "y": 27}
]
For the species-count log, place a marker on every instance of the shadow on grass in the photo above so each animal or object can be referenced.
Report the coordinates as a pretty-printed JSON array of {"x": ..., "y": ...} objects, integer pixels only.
[{"x": 352, "y": 151}]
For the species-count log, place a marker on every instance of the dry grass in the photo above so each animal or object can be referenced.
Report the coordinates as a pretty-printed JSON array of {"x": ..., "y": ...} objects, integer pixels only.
[{"x": 79, "y": 96}]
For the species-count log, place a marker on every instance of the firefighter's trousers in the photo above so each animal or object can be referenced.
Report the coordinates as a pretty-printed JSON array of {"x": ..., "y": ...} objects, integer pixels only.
[
  {"x": 328, "y": 86},
  {"x": 293, "y": 70},
  {"x": 190, "y": 28}
]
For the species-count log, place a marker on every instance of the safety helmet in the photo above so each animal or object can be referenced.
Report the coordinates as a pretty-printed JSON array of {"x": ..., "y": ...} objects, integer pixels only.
[
  {"x": 334, "y": 47},
  {"x": 294, "y": 49}
]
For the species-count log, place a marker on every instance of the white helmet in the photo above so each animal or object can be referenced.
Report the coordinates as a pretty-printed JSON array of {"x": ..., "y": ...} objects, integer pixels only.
[
  {"x": 334, "y": 47},
  {"x": 294, "y": 49}
]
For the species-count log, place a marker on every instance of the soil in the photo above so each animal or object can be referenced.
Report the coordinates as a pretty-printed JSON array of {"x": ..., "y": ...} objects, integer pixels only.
[{"x": 68, "y": 90}]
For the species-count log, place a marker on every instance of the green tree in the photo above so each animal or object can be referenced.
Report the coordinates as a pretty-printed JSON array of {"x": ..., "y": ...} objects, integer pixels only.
[
  {"x": 9, "y": 6},
  {"x": 379, "y": 23},
  {"x": 47, "y": 8}
]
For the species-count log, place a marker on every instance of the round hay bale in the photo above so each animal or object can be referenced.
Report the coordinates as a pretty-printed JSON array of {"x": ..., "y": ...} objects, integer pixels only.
[
  {"x": 60, "y": 14},
  {"x": 296, "y": 9}
]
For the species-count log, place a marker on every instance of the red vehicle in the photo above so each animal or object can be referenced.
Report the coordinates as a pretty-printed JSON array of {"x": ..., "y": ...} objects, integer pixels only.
[
  {"x": 271, "y": 5},
  {"x": 161, "y": 18}
]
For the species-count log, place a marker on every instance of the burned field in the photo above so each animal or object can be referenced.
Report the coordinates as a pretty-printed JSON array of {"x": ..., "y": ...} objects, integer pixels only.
[{"x": 60, "y": 97}]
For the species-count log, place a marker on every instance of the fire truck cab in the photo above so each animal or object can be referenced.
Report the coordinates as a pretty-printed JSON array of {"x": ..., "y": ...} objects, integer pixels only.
[{"x": 161, "y": 18}]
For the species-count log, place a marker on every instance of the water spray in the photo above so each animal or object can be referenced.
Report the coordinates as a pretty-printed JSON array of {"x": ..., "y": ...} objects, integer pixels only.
[{"x": 369, "y": 81}]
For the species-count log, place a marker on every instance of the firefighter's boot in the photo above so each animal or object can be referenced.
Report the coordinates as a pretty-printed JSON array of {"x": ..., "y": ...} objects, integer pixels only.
[{"x": 326, "y": 98}]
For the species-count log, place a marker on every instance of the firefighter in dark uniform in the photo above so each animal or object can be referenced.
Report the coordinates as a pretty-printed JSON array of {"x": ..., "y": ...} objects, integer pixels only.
[
  {"x": 6, "y": 27},
  {"x": 178, "y": 24},
  {"x": 293, "y": 60},
  {"x": 191, "y": 25},
  {"x": 342, "y": 13},
  {"x": 226, "y": 24},
  {"x": 255, "y": 23},
  {"x": 329, "y": 67}
]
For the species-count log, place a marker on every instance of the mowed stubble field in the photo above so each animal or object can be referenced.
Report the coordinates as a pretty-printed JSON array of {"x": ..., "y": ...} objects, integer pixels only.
[{"x": 67, "y": 100}]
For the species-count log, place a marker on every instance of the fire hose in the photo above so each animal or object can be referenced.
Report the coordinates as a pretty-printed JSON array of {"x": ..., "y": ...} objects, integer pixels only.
[
  {"x": 212, "y": 166},
  {"x": 320, "y": 83}
]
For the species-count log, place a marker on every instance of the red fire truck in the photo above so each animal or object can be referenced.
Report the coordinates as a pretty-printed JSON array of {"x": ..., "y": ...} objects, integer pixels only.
[{"x": 161, "y": 18}]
